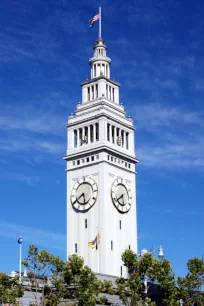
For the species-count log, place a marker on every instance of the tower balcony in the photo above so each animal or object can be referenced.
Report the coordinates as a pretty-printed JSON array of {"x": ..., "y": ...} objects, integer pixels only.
[{"x": 100, "y": 58}]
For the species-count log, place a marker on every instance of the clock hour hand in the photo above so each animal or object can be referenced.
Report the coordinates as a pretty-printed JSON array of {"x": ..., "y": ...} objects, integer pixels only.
[
  {"x": 82, "y": 195},
  {"x": 120, "y": 198}
]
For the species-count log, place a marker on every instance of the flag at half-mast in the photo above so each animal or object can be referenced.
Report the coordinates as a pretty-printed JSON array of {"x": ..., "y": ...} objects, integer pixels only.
[
  {"x": 94, "y": 19},
  {"x": 94, "y": 243}
]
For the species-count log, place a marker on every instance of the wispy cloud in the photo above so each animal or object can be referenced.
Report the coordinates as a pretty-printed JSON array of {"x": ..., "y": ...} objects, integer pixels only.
[
  {"x": 155, "y": 115},
  {"x": 33, "y": 235},
  {"x": 41, "y": 123},
  {"x": 24, "y": 128},
  {"x": 172, "y": 137},
  {"x": 23, "y": 40},
  {"x": 26, "y": 144},
  {"x": 19, "y": 177},
  {"x": 174, "y": 211},
  {"x": 143, "y": 236}
]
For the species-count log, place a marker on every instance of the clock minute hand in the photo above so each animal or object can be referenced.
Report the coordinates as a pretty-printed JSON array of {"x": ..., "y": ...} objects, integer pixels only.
[{"x": 120, "y": 198}]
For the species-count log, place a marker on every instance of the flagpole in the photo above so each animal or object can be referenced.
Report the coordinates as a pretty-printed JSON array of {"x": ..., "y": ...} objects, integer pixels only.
[
  {"x": 20, "y": 240},
  {"x": 98, "y": 262},
  {"x": 98, "y": 242},
  {"x": 99, "y": 22},
  {"x": 20, "y": 262}
]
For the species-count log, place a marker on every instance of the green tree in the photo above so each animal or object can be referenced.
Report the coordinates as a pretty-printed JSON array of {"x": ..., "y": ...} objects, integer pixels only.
[
  {"x": 143, "y": 272},
  {"x": 59, "y": 281},
  {"x": 10, "y": 290},
  {"x": 190, "y": 287},
  {"x": 80, "y": 284},
  {"x": 42, "y": 267}
]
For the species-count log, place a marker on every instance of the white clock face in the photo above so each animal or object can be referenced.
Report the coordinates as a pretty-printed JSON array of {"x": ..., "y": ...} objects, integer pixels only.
[
  {"x": 121, "y": 195},
  {"x": 84, "y": 194}
]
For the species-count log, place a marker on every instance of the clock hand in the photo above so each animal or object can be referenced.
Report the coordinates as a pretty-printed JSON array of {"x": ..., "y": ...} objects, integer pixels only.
[
  {"x": 120, "y": 197},
  {"x": 80, "y": 196}
]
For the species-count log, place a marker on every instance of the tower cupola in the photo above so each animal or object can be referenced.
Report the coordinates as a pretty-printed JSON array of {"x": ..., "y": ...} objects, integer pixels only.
[{"x": 100, "y": 63}]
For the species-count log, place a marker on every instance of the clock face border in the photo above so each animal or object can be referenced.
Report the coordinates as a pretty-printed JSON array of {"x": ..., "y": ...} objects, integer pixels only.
[
  {"x": 73, "y": 198},
  {"x": 121, "y": 208}
]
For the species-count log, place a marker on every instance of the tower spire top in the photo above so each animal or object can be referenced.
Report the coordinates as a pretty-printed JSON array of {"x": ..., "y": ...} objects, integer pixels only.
[
  {"x": 99, "y": 34},
  {"x": 100, "y": 63}
]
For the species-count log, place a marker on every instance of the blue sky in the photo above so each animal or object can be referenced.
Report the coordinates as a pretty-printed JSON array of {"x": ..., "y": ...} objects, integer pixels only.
[{"x": 157, "y": 51}]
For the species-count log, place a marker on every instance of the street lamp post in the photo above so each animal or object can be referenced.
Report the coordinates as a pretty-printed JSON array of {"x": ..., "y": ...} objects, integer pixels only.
[
  {"x": 181, "y": 302},
  {"x": 159, "y": 250},
  {"x": 160, "y": 256}
]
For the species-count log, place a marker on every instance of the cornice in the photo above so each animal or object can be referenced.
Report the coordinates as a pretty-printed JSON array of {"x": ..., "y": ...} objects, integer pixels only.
[
  {"x": 98, "y": 78},
  {"x": 100, "y": 59},
  {"x": 101, "y": 148},
  {"x": 100, "y": 162},
  {"x": 100, "y": 102},
  {"x": 102, "y": 114}
]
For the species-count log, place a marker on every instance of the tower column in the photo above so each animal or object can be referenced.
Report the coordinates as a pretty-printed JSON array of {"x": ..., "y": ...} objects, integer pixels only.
[
  {"x": 116, "y": 95},
  {"x": 102, "y": 126},
  {"x": 131, "y": 141},
  {"x": 120, "y": 137},
  {"x": 105, "y": 129},
  {"x": 94, "y": 132},
  {"x": 83, "y": 135},
  {"x": 71, "y": 138},
  {"x": 110, "y": 132},
  {"x": 77, "y": 137},
  {"x": 96, "y": 91},
  {"x": 125, "y": 143},
  {"x": 89, "y": 134},
  {"x": 84, "y": 94},
  {"x": 101, "y": 88},
  {"x": 115, "y": 135}
]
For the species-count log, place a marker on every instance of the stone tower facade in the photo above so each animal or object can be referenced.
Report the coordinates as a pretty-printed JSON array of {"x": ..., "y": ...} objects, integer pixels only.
[{"x": 101, "y": 175}]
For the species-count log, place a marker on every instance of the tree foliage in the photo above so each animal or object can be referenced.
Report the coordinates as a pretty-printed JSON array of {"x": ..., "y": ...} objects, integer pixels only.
[
  {"x": 143, "y": 272},
  {"x": 190, "y": 287},
  {"x": 147, "y": 274},
  {"x": 54, "y": 281},
  {"x": 42, "y": 266},
  {"x": 63, "y": 280},
  {"x": 85, "y": 284},
  {"x": 10, "y": 289}
]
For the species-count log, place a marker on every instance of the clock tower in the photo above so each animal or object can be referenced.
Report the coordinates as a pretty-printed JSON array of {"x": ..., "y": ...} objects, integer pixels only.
[{"x": 101, "y": 181}]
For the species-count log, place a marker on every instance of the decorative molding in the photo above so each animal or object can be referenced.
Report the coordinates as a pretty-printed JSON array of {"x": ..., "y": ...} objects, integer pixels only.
[{"x": 110, "y": 174}]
